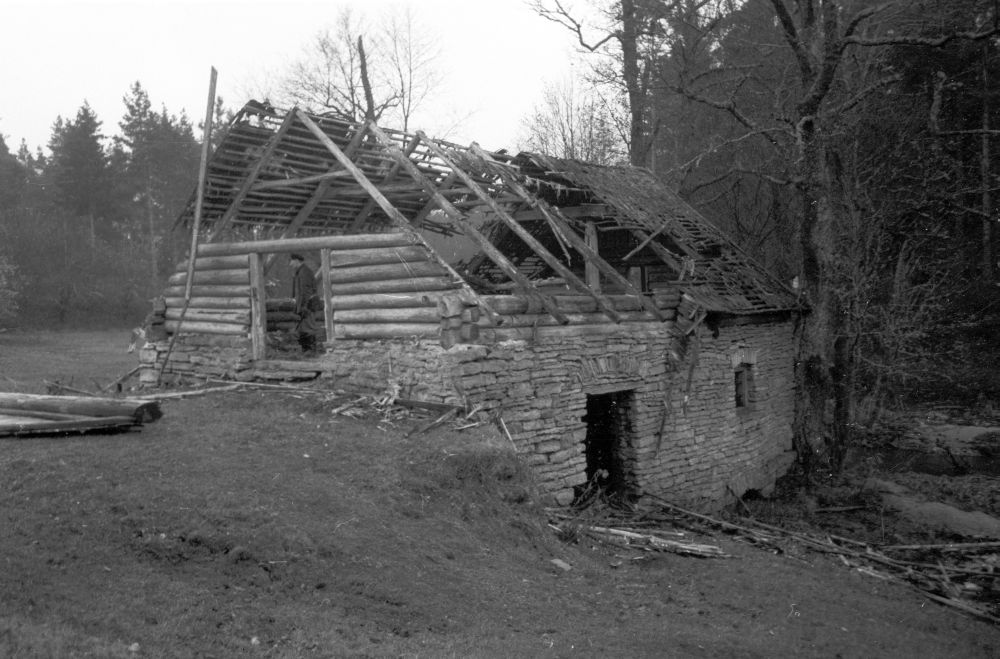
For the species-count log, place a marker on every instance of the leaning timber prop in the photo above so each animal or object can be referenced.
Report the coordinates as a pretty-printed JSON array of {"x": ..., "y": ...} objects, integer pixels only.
[{"x": 199, "y": 204}]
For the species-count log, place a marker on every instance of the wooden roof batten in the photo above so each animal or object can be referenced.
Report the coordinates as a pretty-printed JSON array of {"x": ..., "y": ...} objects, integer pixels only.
[
  {"x": 568, "y": 275},
  {"x": 274, "y": 177},
  {"x": 556, "y": 219},
  {"x": 320, "y": 191},
  {"x": 389, "y": 177},
  {"x": 391, "y": 211},
  {"x": 251, "y": 178},
  {"x": 457, "y": 217}
]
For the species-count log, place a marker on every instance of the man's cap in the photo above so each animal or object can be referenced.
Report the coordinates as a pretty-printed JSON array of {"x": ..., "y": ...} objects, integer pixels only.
[{"x": 297, "y": 257}]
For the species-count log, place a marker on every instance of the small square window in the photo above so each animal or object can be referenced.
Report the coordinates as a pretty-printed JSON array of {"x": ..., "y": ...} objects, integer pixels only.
[{"x": 743, "y": 385}]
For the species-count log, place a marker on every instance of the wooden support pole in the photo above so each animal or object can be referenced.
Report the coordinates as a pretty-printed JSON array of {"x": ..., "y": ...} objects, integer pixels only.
[
  {"x": 590, "y": 269},
  {"x": 258, "y": 308},
  {"x": 198, "y": 207},
  {"x": 327, "y": 292}
]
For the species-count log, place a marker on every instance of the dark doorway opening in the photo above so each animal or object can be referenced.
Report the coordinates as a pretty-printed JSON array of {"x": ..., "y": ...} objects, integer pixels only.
[{"x": 608, "y": 446}]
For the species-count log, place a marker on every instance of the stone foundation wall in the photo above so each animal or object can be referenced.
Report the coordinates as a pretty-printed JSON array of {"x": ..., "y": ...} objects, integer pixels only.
[
  {"x": 687, "y": 440},
  {"x": 409, "y": 368},
  {"x": 197, "y": 355}
]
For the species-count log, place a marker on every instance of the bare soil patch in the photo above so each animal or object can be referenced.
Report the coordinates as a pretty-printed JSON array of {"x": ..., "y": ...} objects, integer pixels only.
[{"x": 257, "y": 523}]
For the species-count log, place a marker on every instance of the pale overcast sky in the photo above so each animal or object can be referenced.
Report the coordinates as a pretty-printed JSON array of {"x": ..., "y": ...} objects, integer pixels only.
[{"x": 54, "y": 54}]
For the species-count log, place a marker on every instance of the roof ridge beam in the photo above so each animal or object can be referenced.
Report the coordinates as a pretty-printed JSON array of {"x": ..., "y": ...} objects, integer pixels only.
[{"x": 553, "y": 215}]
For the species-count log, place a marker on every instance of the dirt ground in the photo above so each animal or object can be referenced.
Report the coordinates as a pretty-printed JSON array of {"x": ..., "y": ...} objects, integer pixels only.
[{"x": 258, "y": 524}]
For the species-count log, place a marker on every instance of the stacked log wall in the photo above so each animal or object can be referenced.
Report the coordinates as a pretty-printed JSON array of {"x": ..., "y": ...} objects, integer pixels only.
[
  {"x": 220, "y": 296},
  {"x": 391, "y": 291}
]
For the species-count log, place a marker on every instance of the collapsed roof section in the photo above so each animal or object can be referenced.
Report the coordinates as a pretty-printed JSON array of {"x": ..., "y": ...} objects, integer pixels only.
[{"x": 537, "y": 225}]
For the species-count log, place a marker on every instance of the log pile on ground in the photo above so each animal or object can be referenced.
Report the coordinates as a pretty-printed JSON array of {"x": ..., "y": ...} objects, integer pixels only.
[{"x": 32, "y": 414}]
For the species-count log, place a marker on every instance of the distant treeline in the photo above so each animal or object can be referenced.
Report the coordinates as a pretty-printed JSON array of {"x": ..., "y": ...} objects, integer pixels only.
[{"x": 86, "y": 231}]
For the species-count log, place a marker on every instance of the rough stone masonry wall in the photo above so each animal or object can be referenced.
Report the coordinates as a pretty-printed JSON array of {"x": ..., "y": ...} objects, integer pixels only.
[
  {"x": 708, "y": 451},
  {"x": 199, "y": 356},
  {"x": 711, "y": 449}
]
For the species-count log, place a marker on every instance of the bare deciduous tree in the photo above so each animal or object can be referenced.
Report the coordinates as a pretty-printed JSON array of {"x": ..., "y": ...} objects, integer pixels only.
[
  {"x": 399, "y": 55},
  {"x": 573, "y": 123}
]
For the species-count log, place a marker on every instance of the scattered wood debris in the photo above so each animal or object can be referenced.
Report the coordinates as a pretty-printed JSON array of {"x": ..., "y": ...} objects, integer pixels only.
[{"x": 964, "y": 576}]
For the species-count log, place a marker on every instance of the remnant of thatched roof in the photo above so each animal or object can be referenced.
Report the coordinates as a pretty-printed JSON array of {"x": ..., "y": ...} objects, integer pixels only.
[{"x": 533, "y": 221}]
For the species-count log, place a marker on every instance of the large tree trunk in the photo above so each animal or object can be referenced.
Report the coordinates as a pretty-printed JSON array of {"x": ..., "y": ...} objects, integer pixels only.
[
  {"x": 823, "y": 409},
  {"x": 638, "y": 142}
]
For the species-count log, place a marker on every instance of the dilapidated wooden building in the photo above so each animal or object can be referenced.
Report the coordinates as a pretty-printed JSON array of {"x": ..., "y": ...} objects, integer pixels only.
[{"x": 609, "y": 328}]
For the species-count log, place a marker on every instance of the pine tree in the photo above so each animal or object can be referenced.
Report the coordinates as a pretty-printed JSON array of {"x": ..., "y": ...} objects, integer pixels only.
[
  {"x": 158, "y": 155},
  {"x": 79, "y": 172}
]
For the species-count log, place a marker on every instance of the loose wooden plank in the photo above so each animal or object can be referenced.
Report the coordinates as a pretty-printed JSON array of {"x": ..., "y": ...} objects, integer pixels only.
[
  {"x": 215, "y": 263},
  {"x": 386, "y": 330},
  {"x": 207, "y": 302},
  {"x": 224, "y": 277},
  {"x": 386, "y": 272},
  {"x": 209, "y": 315},
  {"x": 353, "y": 257},
  {"x": 285, "y": 245},
  {"x": 199, "y": 327},
  {"x": 416, "y": 284},
  {"x": 385, "y": 300},
  {"x": 43, "y": 427},
  {"x": 407, "y": 315}
]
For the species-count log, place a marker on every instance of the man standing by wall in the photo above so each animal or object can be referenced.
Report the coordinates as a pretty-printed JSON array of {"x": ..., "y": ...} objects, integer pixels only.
[{"x": 306, "y": 302}]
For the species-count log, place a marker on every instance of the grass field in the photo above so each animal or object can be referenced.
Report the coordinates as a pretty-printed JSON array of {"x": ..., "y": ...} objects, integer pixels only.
[{"x": 258, "y": 524}]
